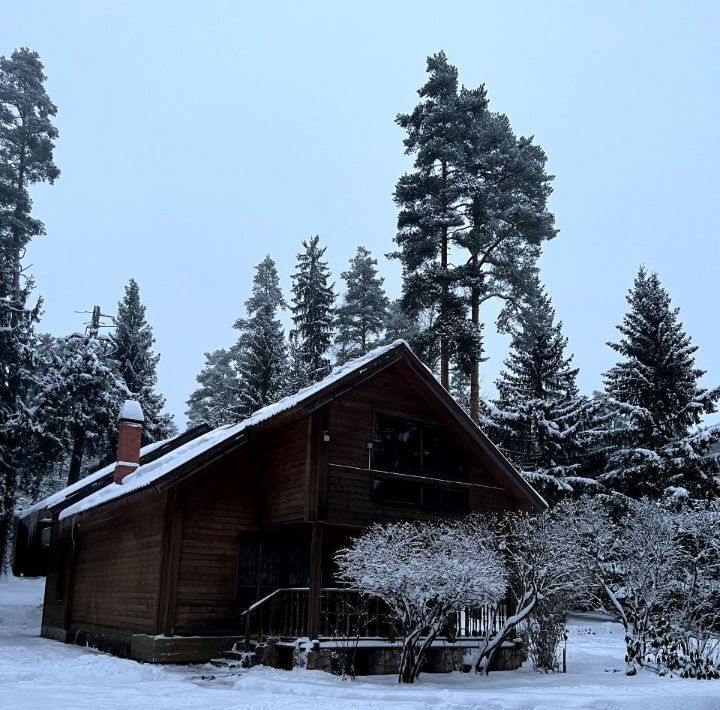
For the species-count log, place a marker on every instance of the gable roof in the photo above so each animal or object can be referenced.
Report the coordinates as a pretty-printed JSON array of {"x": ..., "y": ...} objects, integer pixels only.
[{"x": 194, "y": 455}]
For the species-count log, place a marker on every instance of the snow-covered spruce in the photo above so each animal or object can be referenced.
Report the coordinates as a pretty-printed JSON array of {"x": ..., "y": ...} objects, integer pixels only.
[
  {"x": 361, "y": 317},
  {"x": 313, "y": 297},
  {"x": 261, "y": 352},
  {"x": 655, "y": 402},
  {"x": 540, "y": 420},
  {"x": 424, "y": 572},
  {"x": 78, "y": 403},
  {"x": 137, "y": 363}
]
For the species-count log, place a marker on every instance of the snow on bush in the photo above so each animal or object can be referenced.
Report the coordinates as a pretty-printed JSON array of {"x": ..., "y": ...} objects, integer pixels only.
[
  {"x": 658, "y": 573},
  {"x": 424, "y": 572},
  {"x": 544, "y": 565}
]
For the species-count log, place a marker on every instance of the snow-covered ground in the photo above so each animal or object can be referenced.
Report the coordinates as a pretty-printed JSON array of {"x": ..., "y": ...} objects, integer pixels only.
[{"x": 37, "y": 673}]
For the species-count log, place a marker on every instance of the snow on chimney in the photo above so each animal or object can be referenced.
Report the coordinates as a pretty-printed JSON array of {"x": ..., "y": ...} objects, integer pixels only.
[{"x": 130, "y": 426}]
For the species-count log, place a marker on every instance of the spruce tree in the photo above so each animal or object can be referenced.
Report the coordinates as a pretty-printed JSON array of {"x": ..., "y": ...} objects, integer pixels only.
[
  {"x": 312, "y": 309},
  {"x": 217, "y": 399},
  {"x": 261, "y": 352},
  {"x": 657, "y": 402},
  {"x": 539, "y": 417},
  {"x": 137, "y": 363},
  {"x": 27, "y": 137},
  {"x": 79, "y": 401},
  {"x": 361, "y": 317}
]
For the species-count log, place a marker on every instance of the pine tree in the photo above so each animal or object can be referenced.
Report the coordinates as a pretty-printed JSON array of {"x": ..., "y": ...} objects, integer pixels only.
[
  {"x": 539, "y": 417},
  {"x": 261, "y": 352},
  {"x": 361, "y": 317},
  {"x": 27, "y": 138},
  {"x": 312, "y": 309},
  {"x": 479, "y": 192},
  {"x": 137, "y": 363},
  {"x": 217, "y": 399},
  {"x": 507, "y": 221},
  {"x": 430, "y": 200},
  {"x": 656, "y": 400},
  {"x": 413, "y": 329}
]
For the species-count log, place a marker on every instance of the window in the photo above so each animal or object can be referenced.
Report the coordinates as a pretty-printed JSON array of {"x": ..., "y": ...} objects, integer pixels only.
[
  {"x": 267, "y": 563},
  {"x": 409, "y": 446}
]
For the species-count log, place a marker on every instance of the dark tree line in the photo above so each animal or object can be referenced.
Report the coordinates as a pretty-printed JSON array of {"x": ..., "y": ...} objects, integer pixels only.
[{"x": 59, "y": 397}]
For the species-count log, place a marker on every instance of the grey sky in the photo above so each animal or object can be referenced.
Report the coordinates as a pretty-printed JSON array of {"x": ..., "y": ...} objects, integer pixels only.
[{"x": 197, "y": 137}]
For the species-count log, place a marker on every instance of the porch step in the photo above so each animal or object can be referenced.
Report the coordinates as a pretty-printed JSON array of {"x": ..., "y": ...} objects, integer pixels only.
[{"x": 236, "y": 659}]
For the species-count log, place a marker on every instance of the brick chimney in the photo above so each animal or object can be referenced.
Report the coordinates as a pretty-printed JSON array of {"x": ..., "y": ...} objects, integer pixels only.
[{"x": 130, "y": 426}]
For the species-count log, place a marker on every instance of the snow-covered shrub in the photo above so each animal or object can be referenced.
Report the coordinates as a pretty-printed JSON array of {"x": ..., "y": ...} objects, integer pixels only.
[
  {"x": 658, "y": 573},
  {"x": 545, "y": 631},
  {"x": 544, "y": 566},
  {"x": 424, "y": 572}
]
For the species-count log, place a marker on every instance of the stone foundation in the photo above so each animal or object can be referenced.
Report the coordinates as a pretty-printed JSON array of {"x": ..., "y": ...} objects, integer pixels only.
[{"x": 386, "y": 660}]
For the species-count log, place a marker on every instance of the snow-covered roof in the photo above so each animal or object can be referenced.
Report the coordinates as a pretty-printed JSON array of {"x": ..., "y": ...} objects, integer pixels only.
[
  {"x": 148, "y": 473},
  {"x": 63, "y": 494},
  {"x": 132, "y": 410}
]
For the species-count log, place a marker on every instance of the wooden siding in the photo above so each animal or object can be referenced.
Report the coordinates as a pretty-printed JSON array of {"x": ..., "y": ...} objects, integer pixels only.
[
  {"x": 351, "y": 428},
  {"x": 219, "y": 504},
  {"x": 280, "y": 470},
  {"x": 116, "y": 571},
  {"x": 58, "y": 566}
]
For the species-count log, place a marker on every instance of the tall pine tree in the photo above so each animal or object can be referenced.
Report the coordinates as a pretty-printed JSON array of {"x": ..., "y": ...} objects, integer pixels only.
[
  {"x": 657, "y": 402},
  {"x": 430, "y": 199},
  {"x": 313, "y": 297},
  {"x": 261, "y": 352},
  {"x": 27, "y": 137},
  {"x": 137, "y": 363},
  {"x": 539, "y": 418},
  {"x": 361, "y": 318},
  {"x": 477, "y": 193}
]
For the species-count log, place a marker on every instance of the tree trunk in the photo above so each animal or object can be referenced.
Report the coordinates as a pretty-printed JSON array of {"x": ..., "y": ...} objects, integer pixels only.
[
  {"x": 444, "y": 357},
  {"x": 77, "y": 458},
  {"x": 475, "y": 360}
]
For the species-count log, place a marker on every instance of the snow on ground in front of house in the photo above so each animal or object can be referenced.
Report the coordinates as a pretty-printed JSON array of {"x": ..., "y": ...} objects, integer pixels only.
[{"x": 39, "y": 673}]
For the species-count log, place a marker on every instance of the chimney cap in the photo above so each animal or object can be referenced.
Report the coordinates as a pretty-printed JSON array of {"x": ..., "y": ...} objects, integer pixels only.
[{"x": 131, "y": 410}]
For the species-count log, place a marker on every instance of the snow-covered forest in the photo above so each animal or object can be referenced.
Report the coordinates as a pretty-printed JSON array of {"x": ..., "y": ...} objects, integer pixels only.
[
  {"x": 631, "y": 471},
  {"x": 472, "y": 219}
]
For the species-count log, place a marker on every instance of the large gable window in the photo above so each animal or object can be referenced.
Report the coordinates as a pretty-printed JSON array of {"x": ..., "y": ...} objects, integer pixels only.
[{"x": 410, "y": 446}]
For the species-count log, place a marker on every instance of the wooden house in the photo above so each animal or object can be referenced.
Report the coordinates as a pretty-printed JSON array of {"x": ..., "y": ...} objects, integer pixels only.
[{"x": 177, "y": 552}]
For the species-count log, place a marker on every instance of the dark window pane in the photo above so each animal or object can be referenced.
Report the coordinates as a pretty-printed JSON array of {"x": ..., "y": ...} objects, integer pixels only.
[
  {"x": 438, "y": 497},
  {"x": 454, "y": 460},
  {"x": 384, "y": 443},
  {"x": 248, "y": 561},
  {"x": 396, "y": 490},
  {"x": 269, "y": 575},
  {"x": 432, "y": 438},
  {"x": 298, "y": 565},
  {"x": 408, "y": 446}
]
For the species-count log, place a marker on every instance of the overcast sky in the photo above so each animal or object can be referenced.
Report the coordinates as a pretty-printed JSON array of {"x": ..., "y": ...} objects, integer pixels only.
[{"x": 196, "y": 137}]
